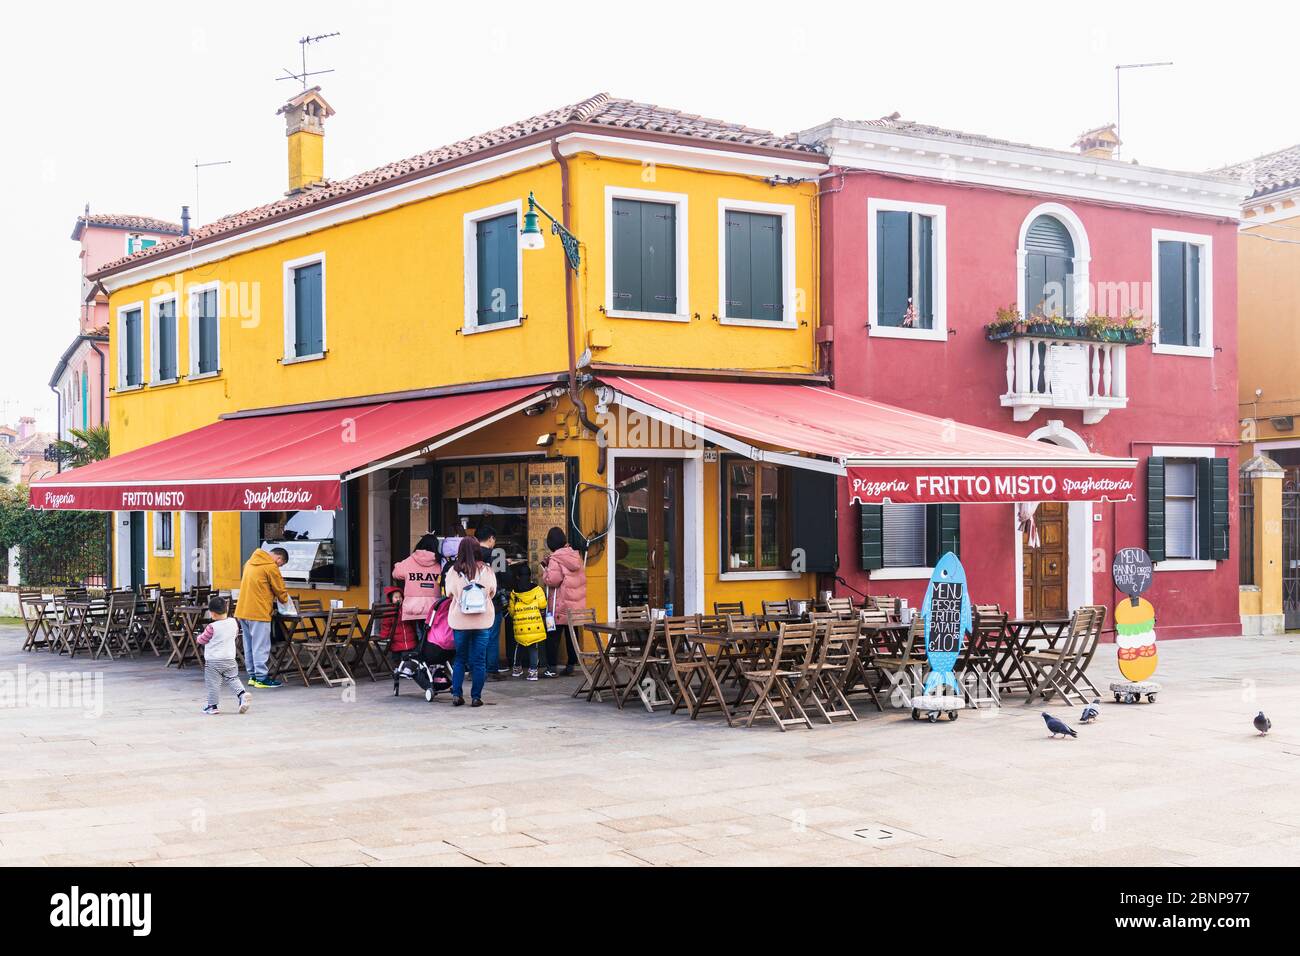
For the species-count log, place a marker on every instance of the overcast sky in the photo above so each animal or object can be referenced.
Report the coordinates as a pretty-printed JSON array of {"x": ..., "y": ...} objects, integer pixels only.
[{"x": 112, "y": 104}]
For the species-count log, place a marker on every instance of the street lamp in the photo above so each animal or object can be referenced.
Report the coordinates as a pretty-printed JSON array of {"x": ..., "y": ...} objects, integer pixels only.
[{"x": 531, "y": 236}]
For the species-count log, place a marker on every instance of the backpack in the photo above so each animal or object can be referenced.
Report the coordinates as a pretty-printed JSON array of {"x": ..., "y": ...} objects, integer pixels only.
[{"x": 473, "y": 599}]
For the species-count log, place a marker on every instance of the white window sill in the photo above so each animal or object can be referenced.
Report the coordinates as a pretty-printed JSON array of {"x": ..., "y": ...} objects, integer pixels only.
[
  {"x": 1196, "y": 351},
  {"x": 760, "y": 576},
  {"x": 201, "y": 376},
  {"x": 164, "y": 554},
  {"x": 901, "y": 574},
  {"x": 121, "y": 389},
  {"x": 898, "y": 332},
  {"x": 313, "y": 586},
  {"x": 758, "y": 323},
  {"x": 652, "y": 316},
  {"x": 1186, "y": 564},
  {"x": 491, "y": 327},
  {"x": 298, "y": 359},
  {"x": 161, "y": 383}
]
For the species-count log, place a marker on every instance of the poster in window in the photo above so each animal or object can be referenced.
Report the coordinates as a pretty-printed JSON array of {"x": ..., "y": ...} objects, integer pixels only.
[
  {"x": 547, "y": 502},
  {"x": 468, "y": 482},
  {"x": 488, "y": 484},
  {"x": 419, "y": 510},
  {"x": 451, "y": 482},
  {"x": 508, "y": 477}
]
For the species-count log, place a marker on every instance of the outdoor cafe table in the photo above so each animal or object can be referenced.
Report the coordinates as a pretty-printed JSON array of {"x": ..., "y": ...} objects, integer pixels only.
[
  {"x": 731, "y": 647},
  {"x": 185, "y": 647},
  {"x": 1017, "y": 640},
  {"x": 296, "y": 627},
  {"x": 612, "y": 639}
]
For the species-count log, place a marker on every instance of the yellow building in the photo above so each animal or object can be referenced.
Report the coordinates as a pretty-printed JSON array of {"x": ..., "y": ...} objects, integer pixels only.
[{"x": 696, "y": 258}]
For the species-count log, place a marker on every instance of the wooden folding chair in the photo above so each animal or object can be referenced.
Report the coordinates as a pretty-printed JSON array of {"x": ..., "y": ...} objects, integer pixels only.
[
  {"x": 634, "y": 612},
  {"x": 326, "y": 648},
  {"x": 687, "y": 661},
  {"x": 787, "y": 671},
  {"x": 776, "y": 607},
  {"x": 980, "y": 653},
  {"x": 840, "y": 606},
  {"x": 888, "y": 604},
  {"x": 652, "y": 666},
  {"x": 902, "y": 666},
  {"x": 590, "y": 663},
  {"x": 33, "y": 607},
  {"x": 1051, "y": 669},
  {"x": 112, "y": 631},
  {"x": 724, "y": 608},
  {"x": 837, "y": 654},
  {"x": 385, "y": 618}
]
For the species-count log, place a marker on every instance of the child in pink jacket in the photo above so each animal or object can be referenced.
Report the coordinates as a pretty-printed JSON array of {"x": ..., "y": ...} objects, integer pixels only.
[{"x": 420, "y": 575}]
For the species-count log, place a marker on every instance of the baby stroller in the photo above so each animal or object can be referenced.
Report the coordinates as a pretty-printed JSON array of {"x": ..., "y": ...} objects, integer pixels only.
[{"x": 429, "y": 665}]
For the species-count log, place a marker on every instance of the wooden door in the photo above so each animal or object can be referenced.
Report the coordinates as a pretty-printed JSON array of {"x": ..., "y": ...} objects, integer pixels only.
[
  {"x": 1045, "y": 570},
  {"x": 648, "y": 534}
]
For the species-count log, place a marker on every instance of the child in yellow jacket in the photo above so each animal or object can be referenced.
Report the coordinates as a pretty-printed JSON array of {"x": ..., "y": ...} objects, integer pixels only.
[{"x": 527, "y": 609}]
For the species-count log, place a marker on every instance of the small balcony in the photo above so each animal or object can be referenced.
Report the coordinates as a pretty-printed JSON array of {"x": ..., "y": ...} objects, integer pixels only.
[{"x": 1047, "y": 371}]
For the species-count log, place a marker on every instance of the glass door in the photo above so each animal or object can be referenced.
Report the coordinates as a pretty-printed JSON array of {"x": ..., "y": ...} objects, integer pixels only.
[{"x": 648, "y": 534}]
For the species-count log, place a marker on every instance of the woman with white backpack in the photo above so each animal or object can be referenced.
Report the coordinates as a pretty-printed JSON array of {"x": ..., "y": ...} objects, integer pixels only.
[{"x": 471, "y": 586}]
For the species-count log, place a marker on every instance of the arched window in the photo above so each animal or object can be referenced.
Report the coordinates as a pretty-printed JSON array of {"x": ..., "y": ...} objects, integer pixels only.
[{"x": 1049, "y": 268}]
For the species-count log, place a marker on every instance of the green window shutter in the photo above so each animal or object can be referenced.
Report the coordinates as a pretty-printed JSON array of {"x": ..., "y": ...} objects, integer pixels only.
[
  {"x": 1212, "y": 508},
  {"x": 167, "y": 341},
  {"x": 893, "y": 266},
  {"x": 309, "y": 325},
  {"x": 871, "y": 520},
  {"x": 1156, "y": 508},
  {"x": 1035, "y": 283},
  {"x": 134, "y": 346},
  {"x": 813, "y": 510},
  {"x": 765, "y": 267},
  {"x": 627, "y": 256},
  {"x": 659, "y": 257},
  {"x": 925, "y": 272},
  {"x": 1172, "y": 316},
  {"x": 1192, "y": 295},
  {"x": 498, "y": 269},
  {"x": 942, "y": 532},
  {"x": 208, "y": 331},
  {"x": 1056, "y": 288},
  {"x": 740, "y": 302}
]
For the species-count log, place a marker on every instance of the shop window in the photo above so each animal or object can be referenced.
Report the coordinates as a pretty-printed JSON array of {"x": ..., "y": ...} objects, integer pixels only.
[
  {"x": 162, "y": 533},
  {"x": 323, "y": 546},
  {"x": 519, "y": 500},
  {"x": 907, "y": 536},
  {"x": 757, "y": 526}
]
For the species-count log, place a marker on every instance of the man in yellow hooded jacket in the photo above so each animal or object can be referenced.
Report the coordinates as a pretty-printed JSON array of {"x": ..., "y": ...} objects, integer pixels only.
[{"x": 260, "y": 587}]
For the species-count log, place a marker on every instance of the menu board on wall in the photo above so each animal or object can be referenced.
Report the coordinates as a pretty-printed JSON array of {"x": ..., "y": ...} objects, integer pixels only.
[
  {"x": 468, "y": 482},
  {"x": 451, "y": 482},
  {"x": 547, "y": 506},
  {"x": 509, "y": 477},
  {"x": 419, "y": 510},
  {"x": 488, "y": 485}
]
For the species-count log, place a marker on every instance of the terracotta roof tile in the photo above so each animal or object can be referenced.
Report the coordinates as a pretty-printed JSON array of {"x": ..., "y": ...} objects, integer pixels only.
[
  {"x": 121, "y": 221},
  {"x": 1269, "y": 173},
  {"x": 601, "y": 110}
]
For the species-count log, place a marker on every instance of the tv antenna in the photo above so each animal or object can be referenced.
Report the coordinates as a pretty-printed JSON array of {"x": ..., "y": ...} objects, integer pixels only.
[
  {"x": 304, "y": 42},
  {"x": 197, "y": 166}
]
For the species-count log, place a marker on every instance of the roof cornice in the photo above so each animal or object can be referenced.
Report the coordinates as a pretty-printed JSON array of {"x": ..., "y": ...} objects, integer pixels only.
[{"x": 1028, "y": 169}]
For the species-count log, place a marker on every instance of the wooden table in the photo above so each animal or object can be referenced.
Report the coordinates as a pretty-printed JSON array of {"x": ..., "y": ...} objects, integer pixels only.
[
  {"x": 613, "y": 640},
  {"x": 1016, "y": 642},
  {"x": 306, "y": 624},
  {"x": 185, "y": 646}
]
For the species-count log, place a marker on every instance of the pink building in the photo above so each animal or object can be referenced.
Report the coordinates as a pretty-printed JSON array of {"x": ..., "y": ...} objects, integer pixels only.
[
  {"x": 80, "y": 379},
  {"x": 926, "y": 234}
]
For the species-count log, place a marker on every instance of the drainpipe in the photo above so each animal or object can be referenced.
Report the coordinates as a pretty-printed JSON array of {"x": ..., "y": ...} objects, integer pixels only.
[
  {"x": 58, "y": 430},
  {"x": 575, "y": 394}
]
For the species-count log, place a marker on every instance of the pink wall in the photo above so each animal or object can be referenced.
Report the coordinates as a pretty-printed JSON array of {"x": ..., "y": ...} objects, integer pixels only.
[{"x": 1173, "y": 400}]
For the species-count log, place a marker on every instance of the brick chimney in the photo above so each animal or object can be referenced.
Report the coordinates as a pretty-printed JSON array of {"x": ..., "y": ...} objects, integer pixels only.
[
  {"x": 1099, "y": 143},
  {"x": 26, "y": 427},
  {"x": 304, "y": 125}
]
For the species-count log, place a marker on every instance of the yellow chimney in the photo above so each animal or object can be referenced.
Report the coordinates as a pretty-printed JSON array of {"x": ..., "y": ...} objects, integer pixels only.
[
  {"x": 304, "y": 125},
  {"x": 1099, "y": 143}
]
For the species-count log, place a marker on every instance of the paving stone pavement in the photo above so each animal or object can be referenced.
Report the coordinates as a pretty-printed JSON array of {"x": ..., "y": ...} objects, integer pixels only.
[{"x": 320, "y": 777}]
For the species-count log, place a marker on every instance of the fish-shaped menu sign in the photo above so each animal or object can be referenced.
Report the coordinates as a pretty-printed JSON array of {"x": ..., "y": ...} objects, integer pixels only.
[{"x": 947, "y": 613}]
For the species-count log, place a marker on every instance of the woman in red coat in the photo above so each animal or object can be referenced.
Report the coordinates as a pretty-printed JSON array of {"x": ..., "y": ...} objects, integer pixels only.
[{"x": 565, "y": 577}]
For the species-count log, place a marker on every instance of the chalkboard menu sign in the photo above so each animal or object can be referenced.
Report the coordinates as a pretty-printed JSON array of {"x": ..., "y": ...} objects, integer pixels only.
[
  {"x": 1131, "y": 571},
  {"x": 946, "y": 609}
]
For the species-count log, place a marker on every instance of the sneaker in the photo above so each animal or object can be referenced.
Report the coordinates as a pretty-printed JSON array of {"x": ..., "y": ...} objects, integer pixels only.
[
  {"x": 532, "y": 673},
  {"x": 517, "y": 672},
  {"x": 243, "y": 702},
  {"x": 477, "y": 702},
  {"x": 458, "y": 701},
  {"x": 210, "y": 710},
  {"x": 503, "y": 670},
  {"x": 549, "y": 673},
  {"x": 265, "y": 682}
]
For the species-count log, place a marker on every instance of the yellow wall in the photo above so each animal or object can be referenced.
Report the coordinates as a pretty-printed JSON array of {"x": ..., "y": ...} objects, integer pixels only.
[
  {"x": 394, "y": 305},
  {"x": 1268, "y": 336}
]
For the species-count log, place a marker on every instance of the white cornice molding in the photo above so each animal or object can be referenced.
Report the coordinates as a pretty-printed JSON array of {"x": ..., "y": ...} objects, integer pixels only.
[
  {"x": 460, "y": 177},
  {"x": 1028, "y": 169},
  {"x": 1269, "y": 209}
]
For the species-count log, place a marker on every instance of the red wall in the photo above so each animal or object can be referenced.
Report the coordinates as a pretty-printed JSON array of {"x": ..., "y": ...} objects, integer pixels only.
[{"x": 1173, "y": 400}]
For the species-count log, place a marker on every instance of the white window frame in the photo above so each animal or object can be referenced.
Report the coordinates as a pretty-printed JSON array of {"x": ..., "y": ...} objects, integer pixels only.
[
  {"x": 192, "y": 322},
  {"x": 789, "y": 291},
  {"x": 155, "y": 356},
  {"x": 126, "y": 245},
  {"x": 157, "y": 530},
  {"x": 1082, "y": 262},
  {"x": 899, "y": 572},
  {"x": 122, "y": 311},
  {"x": 939, "y": 236},
  {"x": 683, "y": 313},
  {"x": 472, "y": 219},
  {"x": 1186, "y": 451},
  {"x": 1206, "y": 244},
  {"x": 289, "y": 266}
]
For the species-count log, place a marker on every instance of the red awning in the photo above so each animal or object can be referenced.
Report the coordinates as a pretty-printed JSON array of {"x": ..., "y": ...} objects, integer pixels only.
[
  {"x": 887, "y": 453},
  {"x": 291, "y": 461}
]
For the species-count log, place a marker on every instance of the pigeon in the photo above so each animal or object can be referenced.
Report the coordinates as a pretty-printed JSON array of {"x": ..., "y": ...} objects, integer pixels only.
[
  {"x": 1090, "y": 712},
  {"x": 1057, "y": 727},
  {"x": 1262, "y": 723}
]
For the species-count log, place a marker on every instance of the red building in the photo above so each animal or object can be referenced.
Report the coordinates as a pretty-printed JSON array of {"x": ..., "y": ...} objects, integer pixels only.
[{"x": 926, "y": 233}]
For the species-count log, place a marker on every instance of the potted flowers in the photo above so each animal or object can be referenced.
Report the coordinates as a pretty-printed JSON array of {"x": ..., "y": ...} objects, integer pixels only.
[{"x": 1130, "y": 329}]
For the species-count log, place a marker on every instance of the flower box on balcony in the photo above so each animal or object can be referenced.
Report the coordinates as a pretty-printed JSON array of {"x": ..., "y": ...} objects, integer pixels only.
[{"x": 1124, "y": 336}]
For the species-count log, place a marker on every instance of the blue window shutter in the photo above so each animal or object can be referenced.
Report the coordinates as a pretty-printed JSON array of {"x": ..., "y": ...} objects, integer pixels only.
[
  {"x": 765, "y": 267},
  {"x": 1172, "y": 316},
  {"x": 1193, "y": 295},
  {"x": 167, "y": 340},
  {"x": 739, "y": 292},
  {"x": 134, "y": 346},
  {"x": 487, "y": 273},
  {"x": 498, "y": 269},
  {"x": 1035, "y": 282},
  {"x": 309, "y": 325},
  {"x": 925, "y": 272},
  {"x": 893, "y": 266},
  {"x": 506, "y": 240},
  {"x": 1057, "y": 270},
  {"x": 208, "y": 331},
  {"x": 659, "y": 257},
  {"x": 627, "y": 256}
]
